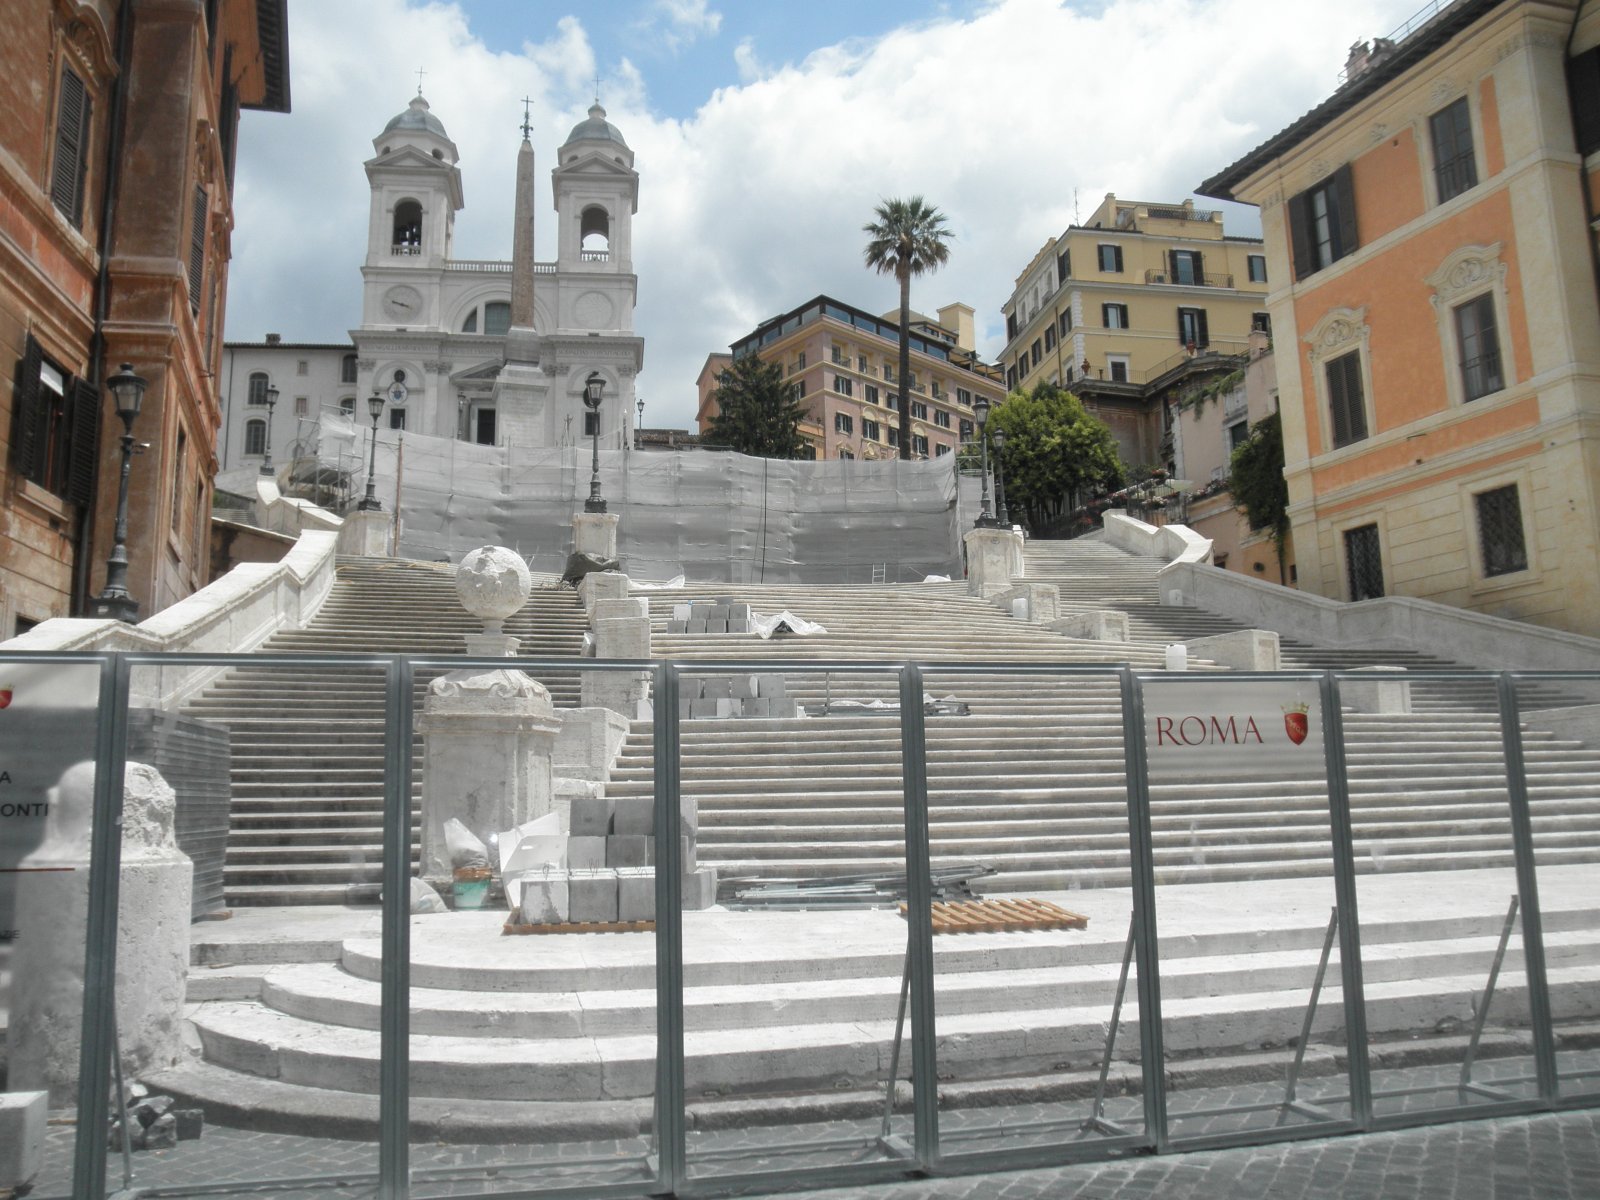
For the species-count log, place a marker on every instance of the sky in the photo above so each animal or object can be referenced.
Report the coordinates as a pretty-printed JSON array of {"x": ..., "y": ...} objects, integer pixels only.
[{"x": 765, "y": 132}]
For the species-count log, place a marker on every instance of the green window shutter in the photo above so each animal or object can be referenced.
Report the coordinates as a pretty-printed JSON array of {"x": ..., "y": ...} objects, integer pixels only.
[
  {"x": 29, "y": 414},
  {"x": 1205, "y": 332},
  {"x": 83, "y": 441},
  {"x": 197, "y": 248},
  {"x": 1300, "y": 234},
  {"x": 72, "y": 147},
  {"x": 1345, "y": 196}
]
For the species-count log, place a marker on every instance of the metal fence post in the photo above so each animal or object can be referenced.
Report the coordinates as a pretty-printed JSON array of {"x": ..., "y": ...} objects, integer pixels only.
[
  {"x": 1539, "y": 1012},
  {"x": 670, "y": 1117},
  {"x": 394, "y": 1098},
  {"x": 1146, "y": 947},
  {"x": 1344, "y": 890},
  {"x": 97, "y": 1042},
  {"x": 919, "y": 918}
]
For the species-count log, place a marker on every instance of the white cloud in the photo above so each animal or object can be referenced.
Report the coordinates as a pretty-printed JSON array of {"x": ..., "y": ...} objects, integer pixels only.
[
  {"x": 755, "y": 204},
  {"x": 751, "y": 68},
  {"x": 680, "y": 23}
]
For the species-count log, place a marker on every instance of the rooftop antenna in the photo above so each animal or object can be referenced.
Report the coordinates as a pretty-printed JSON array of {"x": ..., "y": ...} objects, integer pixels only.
[
  {"x": 526, "y": 127},
  {"x": 1075, "y": 218},
  {"x": 420, "y": 74}
]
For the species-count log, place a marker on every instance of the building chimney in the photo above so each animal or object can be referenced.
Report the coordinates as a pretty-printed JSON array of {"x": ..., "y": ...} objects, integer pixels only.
[{"x": 274, "y": 338}]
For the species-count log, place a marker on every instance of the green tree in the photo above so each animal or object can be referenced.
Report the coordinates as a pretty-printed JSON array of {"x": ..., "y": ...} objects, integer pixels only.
[
  {"x": 908, "y": 238},
  {"x": 756, "y": 411},
  {"x": 1055, "y": 453},
  {"x": 1255, "y": 478}
]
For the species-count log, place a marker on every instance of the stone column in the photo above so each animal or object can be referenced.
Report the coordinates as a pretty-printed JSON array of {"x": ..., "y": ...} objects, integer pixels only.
[
  {"x": 994, "y": 559},
  {"x": 595, "y": 534},
  {"x": 153, "y": 915},
  {"x": 490, "y": 736}
]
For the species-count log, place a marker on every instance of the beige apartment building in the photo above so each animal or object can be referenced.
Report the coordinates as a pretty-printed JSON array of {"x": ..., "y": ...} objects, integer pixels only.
[{"x": 841, "y": 362}]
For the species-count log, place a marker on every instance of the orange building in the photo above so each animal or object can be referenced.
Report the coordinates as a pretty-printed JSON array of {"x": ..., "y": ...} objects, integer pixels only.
[
  {"x": 1435, "y": 318},
  {"x": 116, "y": 208}
]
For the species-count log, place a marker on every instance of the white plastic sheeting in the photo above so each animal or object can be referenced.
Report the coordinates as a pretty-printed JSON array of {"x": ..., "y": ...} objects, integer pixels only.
[{"x": 710, "y": 516}]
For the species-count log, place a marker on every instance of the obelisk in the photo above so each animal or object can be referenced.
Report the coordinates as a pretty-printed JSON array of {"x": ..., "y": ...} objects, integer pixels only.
[{"x": 522, "y": 388}]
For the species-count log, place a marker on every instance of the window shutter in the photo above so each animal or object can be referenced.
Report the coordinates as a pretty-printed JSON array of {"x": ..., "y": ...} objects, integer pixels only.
[
  {"x": 72, "y": 147},
  {"x": 1117, "y": 251},
  {"x": 1336, "y": 404},
  {"x": 1300, "y": 234},
  {"x": 1583, "y": 78},
  {"x": 27, "y": 444},
  {"x": 1345, "y": 196},
  {"x": 197, "y": 248},
  {"x": 1183, "y": 332},
  {"x": 1200, "y": 322},
  {"x": 1172, "y": 266},
  {"x": 83, "y": 442},
  {"x": 1199, "y": 269}
]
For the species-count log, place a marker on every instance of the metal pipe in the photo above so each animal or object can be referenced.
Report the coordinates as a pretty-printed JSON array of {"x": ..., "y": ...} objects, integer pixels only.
[
  {"x": 919, "y": 918},
  {"x": 394, "y": 1095}
]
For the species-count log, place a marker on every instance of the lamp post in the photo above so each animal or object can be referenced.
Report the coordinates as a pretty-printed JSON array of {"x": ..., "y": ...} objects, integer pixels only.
[
  {"x": 272, "y": 404},
  {"x": 638, "y": 430},
  {"x": 1002, "y": 518},
  {"x": 592, "y": 389},
  {"x": 370, "y": 502},
  {"x": 114, "y": 601},
  {"x": 980, "y": 410}
]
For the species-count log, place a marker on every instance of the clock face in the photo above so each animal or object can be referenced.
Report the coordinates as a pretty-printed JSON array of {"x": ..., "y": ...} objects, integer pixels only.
[{"x": 403, "y": 303}]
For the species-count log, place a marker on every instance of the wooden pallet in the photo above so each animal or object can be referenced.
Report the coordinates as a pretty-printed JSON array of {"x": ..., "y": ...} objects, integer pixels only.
[
  {"x": 582, "y": 927},
  {"x": 1001, "y": 916}
]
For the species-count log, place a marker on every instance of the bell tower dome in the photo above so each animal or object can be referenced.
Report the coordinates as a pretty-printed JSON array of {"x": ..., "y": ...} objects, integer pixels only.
[
  {"x": 596, "y": 196},
  {"x": 416, "y": 190}
]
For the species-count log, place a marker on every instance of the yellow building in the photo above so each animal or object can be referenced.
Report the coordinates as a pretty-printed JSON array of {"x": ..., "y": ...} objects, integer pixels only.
[
  {"x": 1434, "y": 308},
  {"x": 841, "y": 362}
]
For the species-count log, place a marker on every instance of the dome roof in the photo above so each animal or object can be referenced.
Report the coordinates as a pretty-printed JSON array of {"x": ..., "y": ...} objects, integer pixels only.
[
  {"x": 417, "y": 116},
  {"x": 595, "y": 129}
]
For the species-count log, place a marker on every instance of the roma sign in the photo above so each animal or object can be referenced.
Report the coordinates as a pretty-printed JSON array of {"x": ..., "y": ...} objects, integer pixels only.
[{"x": 1232, "y": 730}]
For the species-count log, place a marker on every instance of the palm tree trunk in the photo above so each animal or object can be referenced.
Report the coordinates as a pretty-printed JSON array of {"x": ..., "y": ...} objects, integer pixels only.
[{"x": 905, "y": 364}]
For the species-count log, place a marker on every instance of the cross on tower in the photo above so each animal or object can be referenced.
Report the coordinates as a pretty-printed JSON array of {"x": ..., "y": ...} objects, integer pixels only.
[
  {"x": 597, "y": 87},
  {"x": 526, "y": 127},
  {"x": 420, "y": 74}
]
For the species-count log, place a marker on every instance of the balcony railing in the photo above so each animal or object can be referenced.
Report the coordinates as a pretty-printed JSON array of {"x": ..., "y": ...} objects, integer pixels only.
[
  {"x": 1205, "y": 280},
  {"x": 1481, "y": 376},
  {"x": 594, "y": 256},
  {"x": 405, "y": 250}
]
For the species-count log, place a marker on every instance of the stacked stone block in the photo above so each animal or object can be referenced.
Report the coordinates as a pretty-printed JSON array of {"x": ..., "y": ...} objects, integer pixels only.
[
  {"x": 702, "y": 697},
  {"x": 724, "y": 615}
]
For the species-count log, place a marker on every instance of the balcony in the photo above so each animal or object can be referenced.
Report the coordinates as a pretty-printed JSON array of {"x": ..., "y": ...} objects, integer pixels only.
[
  {"x": 1207, "y": 280},
  {"x": 406, "y": 250},
  {"x": 594, "y": 256}
]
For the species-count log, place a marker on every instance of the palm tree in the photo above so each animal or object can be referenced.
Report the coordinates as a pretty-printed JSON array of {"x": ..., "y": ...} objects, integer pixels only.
[{"x": 908, "y": 238}]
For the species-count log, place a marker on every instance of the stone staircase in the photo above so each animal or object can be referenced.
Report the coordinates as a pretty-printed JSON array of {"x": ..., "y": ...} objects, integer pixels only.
[{"x": 308, "y": 746}]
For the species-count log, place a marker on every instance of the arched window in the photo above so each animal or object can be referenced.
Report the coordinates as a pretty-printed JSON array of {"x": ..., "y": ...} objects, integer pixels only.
[
  {"x": 470, "y": 325},
  {"x": 348, "y": 406},
  {"x": 594, "y": 231},
  {"x": 255, "y": 437},
  {"x": 407, "y": 227},
  {"x": 347, "y": 369},
  {"x": 496, "y": 318},
  {"x": 258, "y": 389}
]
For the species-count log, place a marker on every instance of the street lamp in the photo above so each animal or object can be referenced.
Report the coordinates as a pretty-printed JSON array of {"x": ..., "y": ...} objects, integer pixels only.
[
  {"x": 980, "y": 410},
  {"x": 592, "y": 389},
  {"x": 638, "y": 430},
  {"x": 127, "y": 389},
  {"x": 272, "y": 403},
  {"x": 369, "y": 502},
  {"x": 1002, "y": 518}
]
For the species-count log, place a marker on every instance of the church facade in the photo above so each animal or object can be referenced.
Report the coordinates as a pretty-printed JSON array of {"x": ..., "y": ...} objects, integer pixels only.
[{"x": 495, "y": 352}]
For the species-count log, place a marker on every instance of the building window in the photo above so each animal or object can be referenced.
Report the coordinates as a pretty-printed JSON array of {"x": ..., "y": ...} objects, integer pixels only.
[
  {"x": 861, "y": 363},
  {"x": 1011, "y": 378},
  {"x": 1114, "y": 316},
  {"x": 257, "y": 397},
  {"x": 1583, "y": 80},
  {"x": 1117, "y": 367},
  {"x": 843, "y": 423},
  {"x": 844, "y": 385},
  {"x": 1011, "y": 326},
  {"x": 1035, "y": 353},
  {"x": 180, "y": 467},
  {"x": 1111, "y": 259},
  {"x": 591, "y": 424},
  {"x": 892, "y": 402},
  {"x": 255, "y": 436},
  {"x": 397, "y": 418},
  {"x": 869, "y": 429},
  {"x": 941, "y": 418},
  {"x": 888, "y": 370},
  {"x": 69, "y": 169},
  {"x": 1347, "y": 408},
  {"x": 1236, "y": 435},
  {"x": 964, "y": 430},
  {"x": 1500, "y": 538},
  {"x": 919, "y": 411},
  {"x": 1258, "y": 268},
  {"x": 893, "y": 437},
  {"x": 1065, "y": 323},
  {"x": 846, "y": 454},
  {"x": 1455, "y": 168},
  {"x": 838, "y": 355},
  {"x": 497, "y": 318},
  {"x": 797, "y": 389},
  {"x": 347, "y": 368},
  {"x": 1363, "y": 563},
  {"x": 963, "y": 396},
  {"x": 1188, "y": 268},
  {"x": 1322, "y": 223},
  {"x": 348, "y": 406},
  {"x": 197, "y": 249},
  {"x": 302, "y": 406},
  {"x": 940, "y": 450},
  {"x": 1050, "y": 336},
  {"x": 919, "y": 445},
  {"x": 1064, "y": 266},
  {"x": 55, "y": 427},
  {"x": 870, "y": 391},
  {"x": 1478, "y": 341},
  {"x": 1261, "y": 323},
  {"x": 1192, "y": 330}
]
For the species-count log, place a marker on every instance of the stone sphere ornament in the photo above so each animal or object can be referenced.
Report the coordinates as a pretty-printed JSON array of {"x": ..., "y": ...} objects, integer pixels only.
[{"x": 493, "y": 582}]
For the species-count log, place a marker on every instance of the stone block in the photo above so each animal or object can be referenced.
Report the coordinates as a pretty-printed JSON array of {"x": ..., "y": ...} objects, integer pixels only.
[
  {"x": 634, "y": 814},
  {"x": 699, "y": 888},
  {"x": 688, "y": 816},
  {"x": 689, "y": 854},
  {"x": 636, "y": 894},
  {"x": 622, "y": 637},
  {"x": 717, "y": 688},
  {"x": 545, "y": 899},
  {"x": 1241, "y": 650},
  {"x": 740, "y": 625},
  {"x": 586, "y": 853},
  {"x": 742, "y": 687},
  {"x": 592, "y": 895},
  {"x": 602, "y": 585},
  {"x": 758, "y": 707},
  {"x": 696, "y": 625},
  {"x": 630, "y": 850},
  {"x": 772, "y": 686},
  {"x": 162, "y": 1133},
  {"x": 1380, "y": 695},
  {"x": 738, "y": 612},
  {"x": 627, "y": 606},
  {"x": 677, "y": 626},
  {"x": 22, "y": 1126},
  {"x": 701, "y": 709},
  {"x": 689, "y": 687},
  {"x": 1036, "y": 602},
  {"x": 680, "y": 612},
  {"x": 717, "y": 625},
  {"x": 1101, "y": 625},
  {"x": 595, "y": 534},
  {"x": 728, "y": 708},
  {"x": 717, "y": 612},
  {"x": 994, "y": 559},
  {"x": 591, "y": 816}
]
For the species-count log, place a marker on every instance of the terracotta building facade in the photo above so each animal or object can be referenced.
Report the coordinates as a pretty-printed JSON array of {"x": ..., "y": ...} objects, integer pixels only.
[
  {"x": 116, "y": 170},
  {"x": 1434, "y": 314}
]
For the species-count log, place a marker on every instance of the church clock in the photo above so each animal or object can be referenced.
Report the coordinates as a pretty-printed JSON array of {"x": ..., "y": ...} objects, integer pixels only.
[{"x": 403, "y": 303}]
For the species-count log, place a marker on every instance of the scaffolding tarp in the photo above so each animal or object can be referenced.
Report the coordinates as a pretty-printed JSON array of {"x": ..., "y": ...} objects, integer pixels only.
[{"x": 713, "y": 516}]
